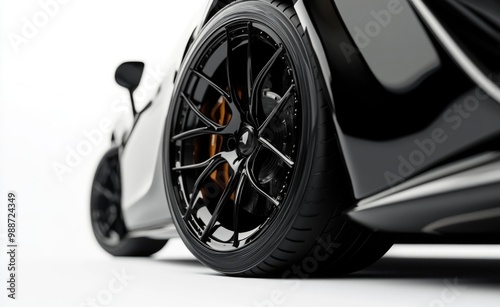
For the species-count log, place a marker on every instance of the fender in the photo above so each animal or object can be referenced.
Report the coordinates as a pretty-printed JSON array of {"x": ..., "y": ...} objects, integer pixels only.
[{"x": 382, "y": 119}]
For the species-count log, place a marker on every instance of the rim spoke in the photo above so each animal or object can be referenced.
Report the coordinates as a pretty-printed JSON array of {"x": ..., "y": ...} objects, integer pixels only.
[
  {"x": 255, "y": 185},
  {"x": 249, "y": 60},
  {"x": 115, "y": 179},
  {"x": 112, "y": 222},
  {"x": 236, "y": 208},
  {"x": 282, "y": 156},
  {"x": 108, "y": 223},
  {"x": 212, "y": 165},
  {"x": 112, "y": 197},
  {"x": 229, "y": 66},
  {"x": 212, "y": 84},
  {"x": 218, "y": 208},
  {"x": 207, "y": 121},
  {"x": 194, "y": 133},
  {"x": 279, "y": 106},
  {"x": 106, "y": 228},
  {"x": 260, "y": 78},
  {"x": 197, "y": 165}
]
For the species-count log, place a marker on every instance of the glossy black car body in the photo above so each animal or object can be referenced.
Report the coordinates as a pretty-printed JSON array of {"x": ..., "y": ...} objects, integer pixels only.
[
  {"x": 413, "y": 126},
  {"x": 413, "y": 90}
]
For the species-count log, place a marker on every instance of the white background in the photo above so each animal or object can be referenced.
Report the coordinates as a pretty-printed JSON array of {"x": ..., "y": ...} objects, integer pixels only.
[{"x": 59, "y": 85}]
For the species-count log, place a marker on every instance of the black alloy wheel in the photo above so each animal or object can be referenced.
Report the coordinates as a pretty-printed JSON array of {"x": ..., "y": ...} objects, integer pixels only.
[
  {"x": 241, "y": 141},
  {"x": 106, "y": 214},
  {"x": 250, "y": 152}
]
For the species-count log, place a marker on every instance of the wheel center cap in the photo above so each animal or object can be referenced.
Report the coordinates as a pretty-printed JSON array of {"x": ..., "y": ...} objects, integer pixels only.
[{"x": 247, "y": 141}]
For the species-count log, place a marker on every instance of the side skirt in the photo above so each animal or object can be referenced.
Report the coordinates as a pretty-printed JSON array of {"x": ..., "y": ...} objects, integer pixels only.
[{"x": 463, "y": 197}]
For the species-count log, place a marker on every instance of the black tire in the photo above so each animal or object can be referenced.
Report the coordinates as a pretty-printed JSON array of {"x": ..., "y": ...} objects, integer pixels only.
[
  {"x": 105, "y": 199},
  {"x": 309, "y": 234}
]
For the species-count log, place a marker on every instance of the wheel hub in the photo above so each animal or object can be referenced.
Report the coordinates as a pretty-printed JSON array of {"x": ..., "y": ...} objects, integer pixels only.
[{"x": 247, "y": 141}]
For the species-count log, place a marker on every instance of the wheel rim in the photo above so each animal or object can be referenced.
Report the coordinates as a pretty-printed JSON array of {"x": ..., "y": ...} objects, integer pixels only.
[
  {"x": 234, "y": 136},
  {"x": 106, "y": 199}
]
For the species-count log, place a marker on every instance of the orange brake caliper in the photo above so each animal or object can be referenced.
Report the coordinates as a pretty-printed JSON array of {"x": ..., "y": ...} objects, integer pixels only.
[{"x": 222, "y": 117}]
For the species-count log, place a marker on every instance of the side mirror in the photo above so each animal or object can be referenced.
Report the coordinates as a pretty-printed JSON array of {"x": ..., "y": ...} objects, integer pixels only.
[{"x": 129, "y": 76}]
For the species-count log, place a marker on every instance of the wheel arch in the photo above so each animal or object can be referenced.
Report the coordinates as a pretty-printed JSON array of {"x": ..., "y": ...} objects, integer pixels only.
[{"x": 217, "y": 5}]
